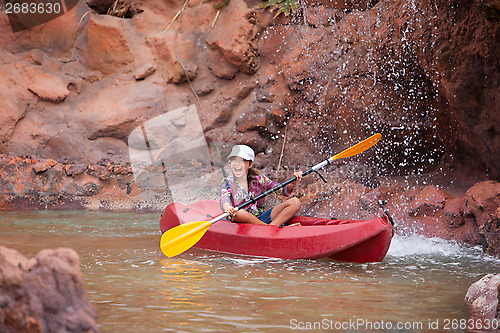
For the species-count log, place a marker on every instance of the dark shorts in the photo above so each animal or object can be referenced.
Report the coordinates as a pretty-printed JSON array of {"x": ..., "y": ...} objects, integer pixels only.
[{"x": 266, "y": 216}]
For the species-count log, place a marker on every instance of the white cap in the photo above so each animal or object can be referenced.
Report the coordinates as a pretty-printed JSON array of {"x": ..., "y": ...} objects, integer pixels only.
[{"x": 242, "y": 151}]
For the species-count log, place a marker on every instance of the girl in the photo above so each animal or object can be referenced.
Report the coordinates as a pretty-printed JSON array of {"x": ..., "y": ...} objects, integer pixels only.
[{"x": 246, "y": 183}]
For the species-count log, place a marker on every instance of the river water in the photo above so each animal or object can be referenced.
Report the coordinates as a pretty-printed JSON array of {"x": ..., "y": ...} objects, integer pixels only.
[{"x": 419, "y": 287}]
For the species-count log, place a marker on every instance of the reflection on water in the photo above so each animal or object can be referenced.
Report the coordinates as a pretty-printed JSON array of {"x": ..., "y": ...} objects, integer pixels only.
[
  {"x": 135, "y": 288},
  {"x": 182, "y": 281}
]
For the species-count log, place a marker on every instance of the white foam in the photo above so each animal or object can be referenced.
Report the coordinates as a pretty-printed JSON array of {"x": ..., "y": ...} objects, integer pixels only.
[
  {"x": 418, "y": 245},
  {"x": 251, "y": 261}
]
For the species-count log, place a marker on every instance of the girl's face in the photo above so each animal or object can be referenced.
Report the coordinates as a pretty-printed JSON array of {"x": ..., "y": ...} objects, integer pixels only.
[{"x": 240, "y": 167}]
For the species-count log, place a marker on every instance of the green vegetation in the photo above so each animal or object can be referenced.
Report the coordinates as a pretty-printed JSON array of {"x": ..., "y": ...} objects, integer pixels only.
[
  {"x": 221, "y": 4},
  {"x": 285, "y": 7}
]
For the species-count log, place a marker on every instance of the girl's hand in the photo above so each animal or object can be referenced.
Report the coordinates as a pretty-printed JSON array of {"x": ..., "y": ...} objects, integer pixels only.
[
  {"x": 229, "y": 209},
  {"x": 298, "y": 174},
  {"x": 292, "y": 186}
]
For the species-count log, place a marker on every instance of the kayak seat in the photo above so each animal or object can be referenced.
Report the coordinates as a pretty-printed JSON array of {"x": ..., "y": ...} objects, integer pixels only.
[{"x": 321, "y": 222}]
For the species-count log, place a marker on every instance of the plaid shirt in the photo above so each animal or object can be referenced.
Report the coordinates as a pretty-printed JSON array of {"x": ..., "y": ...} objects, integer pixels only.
[{"x": 235, "y": 194}]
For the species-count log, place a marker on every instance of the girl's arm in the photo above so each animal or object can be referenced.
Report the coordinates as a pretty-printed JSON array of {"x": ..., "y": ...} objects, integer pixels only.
[
  {"x": 225, "y": 199},
  {"x": 287, "y": 190}
]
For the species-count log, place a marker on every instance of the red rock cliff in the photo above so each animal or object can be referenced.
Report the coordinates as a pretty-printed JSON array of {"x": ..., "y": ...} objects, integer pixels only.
[{"x": 423, "y": 73}]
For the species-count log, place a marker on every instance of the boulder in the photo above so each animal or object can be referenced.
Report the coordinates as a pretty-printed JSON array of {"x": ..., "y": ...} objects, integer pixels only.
[
  {"x": 237, "y": 43},
  {"x": 178, "y": 54},
  {"x": 428, "y": 202},
  {"x": 482, "y": 205},
  {"x": 489, "y": 230},
  {"x": 219, "y": 65},
  {"x": 254, "y": 118},
  {"x": 453, "y": 211},
  {"x": 107, "y": 48},
  {"x": 483, "y": 199},
  {"x": 73, "y": 170},
  {"x": 48, "y": 87},
  {"x": 482, "y": 297},
  {"x": 44, "y": 294},
  {"x": 44, "y": 165}
]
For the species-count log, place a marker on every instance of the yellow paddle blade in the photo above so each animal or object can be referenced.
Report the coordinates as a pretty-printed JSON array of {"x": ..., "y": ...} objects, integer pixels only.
[
  {"x": 360, "y": 147},
  {"x": 183, "y": 237}
]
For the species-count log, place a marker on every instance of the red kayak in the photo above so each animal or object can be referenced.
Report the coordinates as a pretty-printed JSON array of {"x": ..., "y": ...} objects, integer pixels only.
[{"x": 344, "y": 240}]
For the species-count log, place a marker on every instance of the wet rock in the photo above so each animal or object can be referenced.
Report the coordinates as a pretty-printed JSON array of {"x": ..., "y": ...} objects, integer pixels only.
[
  {"x": 261, "y": 95},
  {"x": 491, "y": 8},
  {"x": 483, "y": 199},
  {"x": 342, "y": 4},
  {"x": 319, "y": 15},
  {"x": 44, "y": 294},
  {"x": 375, "y": 199},
  {"x": 350, "y": 75},
  {"x": 453, "y": 211},
  {"x": 482, "y": 297},
  {"x": 333, "y": 76},
  {"x": 489, "y": 230},
  {"x": 261, "y": 161},
  {"x": 121, "y": 169},
  {"x": 428, "y": 202},
  {"x": 254, "y": 118},
  {"x": 482, "y": 204},
  {"x": 89, "y": 189}
]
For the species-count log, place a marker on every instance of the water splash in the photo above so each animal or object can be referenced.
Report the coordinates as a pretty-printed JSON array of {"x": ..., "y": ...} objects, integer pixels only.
[{"x": 418, "y": 245}]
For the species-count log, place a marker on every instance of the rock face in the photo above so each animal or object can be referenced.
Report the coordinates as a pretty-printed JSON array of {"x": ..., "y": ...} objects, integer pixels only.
[
  {"x": 31, "y": 183},
  {"x": 482, "y": 298},
  {"x": 472, "y": 219},
  {"x": 483, "y": 205},
  {"x": 426, "y": 78},
  {"x": 237, "y": 44},
  {"x": 108, "y": 48},
  {"x": 44, "y": 294}
]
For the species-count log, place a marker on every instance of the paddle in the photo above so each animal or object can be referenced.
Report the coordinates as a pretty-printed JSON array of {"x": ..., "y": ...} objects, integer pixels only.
[{"x": 184, "y": 236}]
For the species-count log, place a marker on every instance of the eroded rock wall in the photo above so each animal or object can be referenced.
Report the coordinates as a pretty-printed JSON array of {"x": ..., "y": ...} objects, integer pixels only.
[{"x": 424, "y": 74}]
